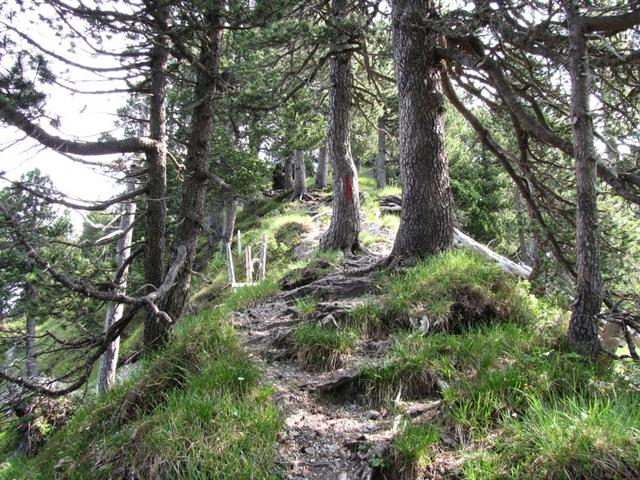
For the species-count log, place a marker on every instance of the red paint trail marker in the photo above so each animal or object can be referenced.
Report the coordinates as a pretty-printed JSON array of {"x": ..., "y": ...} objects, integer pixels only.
[{"x": 348, "y": 188}]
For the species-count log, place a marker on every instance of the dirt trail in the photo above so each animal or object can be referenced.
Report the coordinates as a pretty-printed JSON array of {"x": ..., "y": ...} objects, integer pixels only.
[{"x": 323, "y": 438}]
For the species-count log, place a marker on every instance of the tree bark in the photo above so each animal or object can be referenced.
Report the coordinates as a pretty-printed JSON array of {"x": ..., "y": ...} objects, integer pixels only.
[
  {"x": 345, "y": 220},
  {"x": 31, "y": 369},
  {"x": 31, "y": 353},
  {"x": 221, "y": 220},
  {"x": 583, "y": 328},
  {"x": 197, "y": 163},
  {"x": 156, "y": 205},
  {"x": 322, "y": 170},
  {"x": 288, "y": 173},
  {"x": 426, "y": 223},
  {"x": 109, "y": 361},
  {"x": 300, "y": 176},
  {"x": 381, "y": 173}
]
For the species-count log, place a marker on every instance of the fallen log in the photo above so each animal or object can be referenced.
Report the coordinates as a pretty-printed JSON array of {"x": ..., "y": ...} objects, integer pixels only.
[{"x": 461, "y": 239}]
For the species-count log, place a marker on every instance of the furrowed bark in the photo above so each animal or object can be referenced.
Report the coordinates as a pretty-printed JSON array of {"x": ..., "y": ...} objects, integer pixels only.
[
  {"x": 583, "y": 328},
  {"x": 322, "y": 170},
  {"x": 300, "y": 176},
  {"x": 426, "y": 223},
  {"x": 156, "y": 205},
  {"x": 344, "y": 228},
  {"x": 288, "y": 173},
  {"x": 381, "y": 173},
  {"x": 197, "y": 165}
]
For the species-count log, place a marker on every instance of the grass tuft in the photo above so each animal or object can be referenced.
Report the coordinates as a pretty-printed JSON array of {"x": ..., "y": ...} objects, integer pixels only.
[
  {"x": 306, "y": 306},
  {"x": 411, "y": 450},
  {"x": 319, "y": 348},
  {"x": 577, "y": 437},
  {"x": 366, "y": 318}
]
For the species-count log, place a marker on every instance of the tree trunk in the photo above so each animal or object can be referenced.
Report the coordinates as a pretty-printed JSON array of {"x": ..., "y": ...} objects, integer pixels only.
[
  {"x": 109, "y": 361},
  {"x": 300, "y": 176},
  {"x": 31, "y": 293},
  {"x": 345, "y": 220},
  {"x": 156, "y": 205},
  {"x": 381, "y": 173},
  {"x": 583, "y": 328},
  {"x": 31, "y": 369},
  {"x": 288, "y": 173},
  {"x": 426, "y": 223},
  {"x": 323, "y": 167},
  {"x": 197, "y": 163},
  {"x": 221, "y": 220}
]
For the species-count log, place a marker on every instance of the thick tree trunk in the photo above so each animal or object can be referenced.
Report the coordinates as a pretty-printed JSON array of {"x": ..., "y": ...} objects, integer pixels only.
[
  {"x": 109, "y": 361},
  {"x": 381, "y": 172},
  {"x": 156, "y": 205},
  {"x": 221, "y": 220},
  {"x": 322, "y": 170},
  {"x": 197, "y": 162},
  {"x": 583, "y": 328},
  {"x": 288, "y": 173},
  {"x": 345, "y": 220},
  {"x": 426, "y": 223},
  {"x": 300, "y": 176}
]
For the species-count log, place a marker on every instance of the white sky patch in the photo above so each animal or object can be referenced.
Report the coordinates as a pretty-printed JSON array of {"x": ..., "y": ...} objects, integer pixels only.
[{"x": 82, "y": 117}]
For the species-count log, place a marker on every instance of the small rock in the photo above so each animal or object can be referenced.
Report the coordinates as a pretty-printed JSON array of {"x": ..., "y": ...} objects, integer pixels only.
[
  {"x": 328, "y": 320},
  {"x": 62, "y": 463},
  {"x": 343, "y": 476},
  {"x": 309, "y": 450},
  {"x": 373, "y": 415}
]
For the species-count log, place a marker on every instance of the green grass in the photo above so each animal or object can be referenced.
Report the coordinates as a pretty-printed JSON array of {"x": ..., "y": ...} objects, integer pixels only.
[
  {"x": 594, "y": 436},
  {"x": 182, "y": 416},
  {"x": 322, "y": 348},
  {"x": 517, "y": 403},
  {"x": 456, "y": 290},
  {"x": 367, "y": 319},
  {"x": 411, "y": 449},
  {"x": 306, "y": 306},
  {"x": 196, "y": 409}
]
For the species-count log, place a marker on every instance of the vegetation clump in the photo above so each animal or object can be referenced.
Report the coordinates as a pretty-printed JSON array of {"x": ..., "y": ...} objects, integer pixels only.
[
  {"x": 455, "y": 291},
  {"x": 194, "y": 411},
  {"x": 322, "y": 348},
  {"x": 411, "y": 450}
]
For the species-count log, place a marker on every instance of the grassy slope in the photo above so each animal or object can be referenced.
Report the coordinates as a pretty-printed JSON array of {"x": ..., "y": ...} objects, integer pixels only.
[{"x": 516, "y": 404}]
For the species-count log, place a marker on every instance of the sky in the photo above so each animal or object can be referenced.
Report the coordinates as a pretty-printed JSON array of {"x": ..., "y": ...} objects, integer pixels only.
[{"x": 82, "y": 117}]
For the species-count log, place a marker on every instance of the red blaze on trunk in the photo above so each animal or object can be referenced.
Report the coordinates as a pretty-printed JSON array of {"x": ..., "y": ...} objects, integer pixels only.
[{"x": 348, "y": 188}]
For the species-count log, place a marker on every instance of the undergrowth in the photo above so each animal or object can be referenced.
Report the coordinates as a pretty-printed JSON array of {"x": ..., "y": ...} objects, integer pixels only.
[
  {"x": 411, "y": 450},
  {"x": 516, "y": 402},
  {"x": 196, "y": 410}
]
